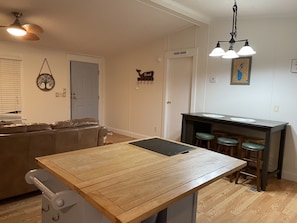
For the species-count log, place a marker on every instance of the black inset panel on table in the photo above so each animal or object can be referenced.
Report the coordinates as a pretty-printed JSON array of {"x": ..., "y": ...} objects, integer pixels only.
[{"x": 162, "y": 146}]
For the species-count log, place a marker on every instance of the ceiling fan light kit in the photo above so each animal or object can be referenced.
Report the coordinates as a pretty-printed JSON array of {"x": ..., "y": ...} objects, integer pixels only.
[
  {"x": 26, "y": 31},
  {"x": 16, "y": 29},
  {"x": 246, "y": 50}
]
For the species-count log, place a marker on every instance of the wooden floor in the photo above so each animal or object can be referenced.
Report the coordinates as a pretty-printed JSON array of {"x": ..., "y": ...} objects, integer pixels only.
[
  {"x": 223, "y": 201},
  {"x": 219, "y": 202},
  {"x": 116, "y": 138}
]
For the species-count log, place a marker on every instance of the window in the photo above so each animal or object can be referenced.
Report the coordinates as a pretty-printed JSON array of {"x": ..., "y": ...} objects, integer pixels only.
[{"x": 10, "y": 86}]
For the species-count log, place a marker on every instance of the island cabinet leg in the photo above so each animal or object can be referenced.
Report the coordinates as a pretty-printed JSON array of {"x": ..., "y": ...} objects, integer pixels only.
[{"x": 182, "y": 211}]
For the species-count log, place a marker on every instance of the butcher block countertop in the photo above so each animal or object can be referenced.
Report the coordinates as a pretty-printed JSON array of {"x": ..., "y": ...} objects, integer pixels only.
[{"x": 129, "y": 184}]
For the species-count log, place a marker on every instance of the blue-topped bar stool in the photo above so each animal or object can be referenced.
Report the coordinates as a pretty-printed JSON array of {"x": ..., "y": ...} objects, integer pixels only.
[
  {"x": 247, "y": 154},
  {"x": 204, "y": 137},
  {"x": 227, "y": 146}
]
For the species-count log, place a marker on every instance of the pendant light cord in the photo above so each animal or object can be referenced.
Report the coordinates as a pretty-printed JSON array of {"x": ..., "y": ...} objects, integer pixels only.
[{"x": 234, "y": 23}]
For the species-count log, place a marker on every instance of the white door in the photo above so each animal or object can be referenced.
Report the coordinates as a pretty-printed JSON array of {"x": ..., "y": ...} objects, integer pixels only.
[
  {"x": 180, "y": 90},
  {"x": 84, "y": 89}
]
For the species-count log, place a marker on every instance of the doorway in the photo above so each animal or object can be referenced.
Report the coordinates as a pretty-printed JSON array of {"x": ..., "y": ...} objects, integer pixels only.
[
  {"x": 180, "y": 90},
  {"x": 84, "y": 87}
]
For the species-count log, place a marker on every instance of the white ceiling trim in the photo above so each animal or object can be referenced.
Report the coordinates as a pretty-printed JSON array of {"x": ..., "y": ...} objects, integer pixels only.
[{"x": 178, "y": 10}]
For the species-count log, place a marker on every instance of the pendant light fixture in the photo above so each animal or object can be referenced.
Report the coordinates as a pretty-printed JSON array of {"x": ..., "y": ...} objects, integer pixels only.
[{"x": 246, "y": 50}]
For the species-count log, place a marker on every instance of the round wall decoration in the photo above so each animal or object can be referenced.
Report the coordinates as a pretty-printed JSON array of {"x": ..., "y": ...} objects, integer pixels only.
[{"x": 45, "y": 81}]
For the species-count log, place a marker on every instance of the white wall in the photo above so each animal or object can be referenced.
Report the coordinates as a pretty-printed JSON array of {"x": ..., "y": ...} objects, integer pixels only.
[
  {"x": 271, "y": 84},
  {"x": 135, "y": 108},
  {"x": 39, "y": 106}
]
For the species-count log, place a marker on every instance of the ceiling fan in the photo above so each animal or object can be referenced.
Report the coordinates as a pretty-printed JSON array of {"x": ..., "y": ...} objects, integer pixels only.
[{"x": 26, "y": 31}]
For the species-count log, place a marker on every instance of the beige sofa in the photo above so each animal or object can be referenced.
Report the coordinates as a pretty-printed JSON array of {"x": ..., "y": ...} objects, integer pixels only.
[{"x": 20, "y": 144}]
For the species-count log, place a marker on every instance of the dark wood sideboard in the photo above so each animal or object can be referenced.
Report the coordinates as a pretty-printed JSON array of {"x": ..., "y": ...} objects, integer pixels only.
[{"x": 203, "y": 121}]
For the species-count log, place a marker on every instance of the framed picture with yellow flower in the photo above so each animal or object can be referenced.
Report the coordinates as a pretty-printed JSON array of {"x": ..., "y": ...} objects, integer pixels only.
[{"x": 241, "y": 71}]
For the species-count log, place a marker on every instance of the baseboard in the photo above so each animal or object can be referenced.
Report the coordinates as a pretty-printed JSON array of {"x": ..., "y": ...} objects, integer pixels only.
[
  {"x": 289, "y": 176},
  {"x": 127, "y": 133}
]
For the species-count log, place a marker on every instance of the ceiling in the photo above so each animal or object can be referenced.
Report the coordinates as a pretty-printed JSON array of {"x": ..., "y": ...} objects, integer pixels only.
[{"x": 104, "y": 27}]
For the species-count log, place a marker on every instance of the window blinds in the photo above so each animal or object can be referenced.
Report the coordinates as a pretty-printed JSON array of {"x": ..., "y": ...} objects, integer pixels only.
[{"x": 10, "y": 85}]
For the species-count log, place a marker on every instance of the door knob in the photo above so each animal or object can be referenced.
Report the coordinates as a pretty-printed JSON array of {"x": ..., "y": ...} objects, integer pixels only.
[{"x": 168, "y": 102}]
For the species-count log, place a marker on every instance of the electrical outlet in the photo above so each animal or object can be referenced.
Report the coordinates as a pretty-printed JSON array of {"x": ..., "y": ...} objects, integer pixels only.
[{"x": 276, "y": 108}]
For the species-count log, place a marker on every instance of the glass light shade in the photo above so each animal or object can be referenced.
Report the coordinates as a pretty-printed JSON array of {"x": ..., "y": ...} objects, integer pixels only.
[
  {"x": 217, "y": 52},
  {"x": 230, "y": 54},
  {"x": 246, "y": 51},
  {"x": 16, "y": 31}
]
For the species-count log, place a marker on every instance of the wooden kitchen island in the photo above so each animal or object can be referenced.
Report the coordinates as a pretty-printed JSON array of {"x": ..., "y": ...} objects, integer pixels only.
[{"x": 129, "y": 183}]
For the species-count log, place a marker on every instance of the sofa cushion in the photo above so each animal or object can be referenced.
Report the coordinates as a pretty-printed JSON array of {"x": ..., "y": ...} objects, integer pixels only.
[
  {"x": 84, "y": 122},
  {"x": 61, "y": 124},
  {"x": 38, "y": 127},
  {"x": 13, "y": 128},
  {"x": 74, "y": 123}
]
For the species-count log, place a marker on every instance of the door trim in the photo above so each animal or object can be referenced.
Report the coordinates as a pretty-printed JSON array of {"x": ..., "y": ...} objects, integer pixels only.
[{"x": 191, "y": 52}]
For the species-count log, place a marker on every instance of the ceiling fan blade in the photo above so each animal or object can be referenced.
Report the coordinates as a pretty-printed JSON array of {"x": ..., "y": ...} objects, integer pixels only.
[
  {"x": 30, "y": 36},
  {"x": 33, "y": 28}
]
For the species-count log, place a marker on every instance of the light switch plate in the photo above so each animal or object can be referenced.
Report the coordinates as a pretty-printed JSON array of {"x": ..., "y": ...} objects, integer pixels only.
[{"x": 294, "y": 66}]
